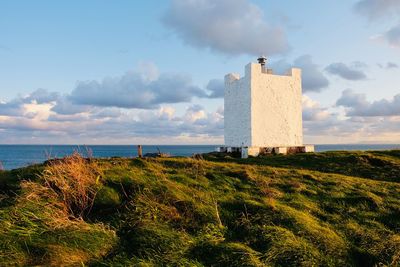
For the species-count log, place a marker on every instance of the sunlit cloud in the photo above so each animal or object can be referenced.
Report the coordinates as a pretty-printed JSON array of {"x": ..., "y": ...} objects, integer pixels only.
[{"x": 226, "y": 26}]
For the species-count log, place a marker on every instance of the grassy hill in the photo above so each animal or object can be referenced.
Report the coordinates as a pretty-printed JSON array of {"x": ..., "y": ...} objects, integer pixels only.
[{"x": 318, "y": 209}]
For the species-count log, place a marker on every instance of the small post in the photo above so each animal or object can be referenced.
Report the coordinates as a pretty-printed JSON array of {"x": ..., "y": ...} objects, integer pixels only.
[
  {"x": 140, "y": 151},
  {"x": 262, "y": 60}
]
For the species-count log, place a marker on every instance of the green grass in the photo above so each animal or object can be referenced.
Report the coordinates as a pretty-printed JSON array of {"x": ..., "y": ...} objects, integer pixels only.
[
  {"x": 377, "y": 165},
  {"x": 319, "y": 209}
]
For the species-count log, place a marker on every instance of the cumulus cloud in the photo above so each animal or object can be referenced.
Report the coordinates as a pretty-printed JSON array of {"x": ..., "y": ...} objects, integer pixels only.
[
  {"x": 358, "y": 105},
  {"x": 48, "y": 117},
  {"x": 382, "y": 9},
  {"x": 231, "y": 27},
  {"x": 351, "y": 99},
  {"x": 19, "y": 106},
  {"x": 166, "y": 113},
  {"x": 57, "y": 120},
  {"x": 374, "y": 9},
  {"x": 312, "y": 77},
  {"x": 327, "y": 125},
  {"x": 216, "y": 88},
  {"x": 11, "y": 108},
  {"x": 312, "y": 111},
  {"x": 392, "y": 36},
  {"x": 133, "y": 90},
  {"x": 166, "y": 125},
  {"x": 321, "y": 124},
  {"x": 143, "y": 89},
  {"x": 65, "y": 106},
  {"x": 195, "y": 122},
  {"x": 353, "y": 130},
  {"x": 41, "y": 96},
  {"x": 15, "y": 107},
  {"x": 353, "y": 72}
]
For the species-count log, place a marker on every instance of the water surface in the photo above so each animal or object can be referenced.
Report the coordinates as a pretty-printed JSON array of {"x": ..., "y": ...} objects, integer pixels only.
[{"x": 15, "y": 156}]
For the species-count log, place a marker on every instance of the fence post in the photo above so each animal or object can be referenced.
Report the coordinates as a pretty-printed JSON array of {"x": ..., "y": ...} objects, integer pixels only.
[{"x": 140, "y": 151}]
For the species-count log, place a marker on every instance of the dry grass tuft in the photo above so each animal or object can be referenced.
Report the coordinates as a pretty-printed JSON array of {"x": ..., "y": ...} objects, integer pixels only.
[
  {"x": 76, "y": 180},
  {"x": 44, "y": 200},
  {"x": 45, "y": 226}
]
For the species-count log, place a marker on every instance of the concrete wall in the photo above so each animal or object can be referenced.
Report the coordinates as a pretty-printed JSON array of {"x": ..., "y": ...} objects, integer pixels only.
[
  {"x": 276, "y": 108},
  {"x": 237, "y": 110},
  {"x": 262, "y": 109}
]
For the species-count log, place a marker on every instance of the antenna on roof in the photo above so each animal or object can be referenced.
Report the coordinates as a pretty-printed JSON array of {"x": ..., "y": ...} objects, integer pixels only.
[{"x": 262, "y": 60}]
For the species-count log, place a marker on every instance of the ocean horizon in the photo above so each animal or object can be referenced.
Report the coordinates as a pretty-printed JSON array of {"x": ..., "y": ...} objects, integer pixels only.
[{"x": 17, "y": 156}]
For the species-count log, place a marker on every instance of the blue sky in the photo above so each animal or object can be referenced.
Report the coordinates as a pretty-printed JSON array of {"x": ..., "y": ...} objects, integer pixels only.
[{"x": 150, "y": 71}]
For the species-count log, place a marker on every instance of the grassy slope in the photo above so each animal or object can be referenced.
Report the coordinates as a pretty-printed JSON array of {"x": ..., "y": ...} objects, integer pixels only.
[
  {"x": 323, "y": 209},
  {"x": 376, "y": 165}
]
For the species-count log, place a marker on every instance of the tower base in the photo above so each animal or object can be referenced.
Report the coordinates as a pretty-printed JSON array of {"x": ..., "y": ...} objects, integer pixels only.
[{"x": 254, "y": 151}]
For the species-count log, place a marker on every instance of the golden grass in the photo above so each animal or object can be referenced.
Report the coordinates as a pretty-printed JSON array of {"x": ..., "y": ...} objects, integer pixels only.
[{"x": 76, "y": 180}]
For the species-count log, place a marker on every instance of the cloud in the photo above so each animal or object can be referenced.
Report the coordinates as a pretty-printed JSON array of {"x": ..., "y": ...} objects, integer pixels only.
[
  {"x": 313, "y": 80},
  {"x": 382, "y": 9},
  {"x": 312, "y": 110},
  {"x": 15, "y": 107},
  {"x": 327, "y": 125},
  {"x": 353, "y": 130},
  {"x": 389, "y": 65},
  {"x": 41, "y": 96},
  {"x": 11, "y": 108},
  {"x": 216, "y": 88},
  {"x": 375, "y": 9},
  {"x": 134, "y": 90},
  {"x": 166, "y": 113},
  {"x": 143, "y": 89},
  {"x": 107, "y": 113},
  {"x": 57, "y": 120},
  {"x": 226, "y": 26},
  {"x": 65, "y": 106},
  {"x": 20, "y": 105},
  {"x": 392, "y": 36},
  {"x": 350, "y": 99},
  {"x": 352, "y": 73},
  {"x": 195, "y": 122},
  {"x": 193, "y": 125},
  {"x": 357, "y": 105}
]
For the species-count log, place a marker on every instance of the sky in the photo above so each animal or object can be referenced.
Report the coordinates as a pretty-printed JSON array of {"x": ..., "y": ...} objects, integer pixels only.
[{"x": 151, "y": 72}]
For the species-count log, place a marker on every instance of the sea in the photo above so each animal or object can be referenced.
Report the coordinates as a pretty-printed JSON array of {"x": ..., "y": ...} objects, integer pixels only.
[{"x": 16, "y": 156}]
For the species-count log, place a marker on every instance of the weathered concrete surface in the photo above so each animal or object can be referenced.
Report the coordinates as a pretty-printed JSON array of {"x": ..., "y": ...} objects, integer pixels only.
[{"x": 237, "y": 110}]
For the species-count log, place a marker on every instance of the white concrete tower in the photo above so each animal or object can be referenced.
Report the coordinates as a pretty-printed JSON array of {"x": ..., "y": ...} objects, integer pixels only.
[{"x": 263, "y": 110}]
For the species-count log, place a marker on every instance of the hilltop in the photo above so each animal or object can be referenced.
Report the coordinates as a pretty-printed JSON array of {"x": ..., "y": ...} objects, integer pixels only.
[{"x": 317, "y": 209}]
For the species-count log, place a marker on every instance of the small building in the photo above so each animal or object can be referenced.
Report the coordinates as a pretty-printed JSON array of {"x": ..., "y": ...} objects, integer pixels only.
[{"x": 263, "y": 111}]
